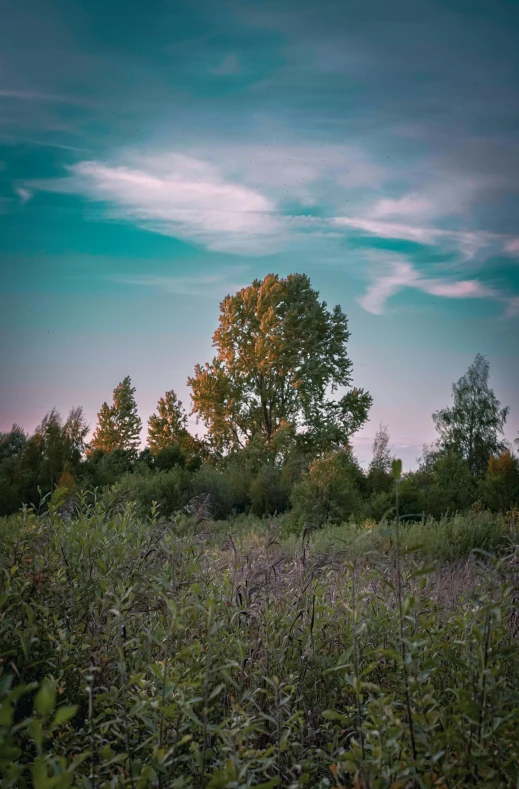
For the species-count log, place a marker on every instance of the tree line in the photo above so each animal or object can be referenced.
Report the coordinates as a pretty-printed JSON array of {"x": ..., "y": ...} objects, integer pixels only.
[{"x": 279, "y": 409}]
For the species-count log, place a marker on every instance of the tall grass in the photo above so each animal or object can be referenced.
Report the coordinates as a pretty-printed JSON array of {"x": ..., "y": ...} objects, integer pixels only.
[{"x": 149, "y": 653}]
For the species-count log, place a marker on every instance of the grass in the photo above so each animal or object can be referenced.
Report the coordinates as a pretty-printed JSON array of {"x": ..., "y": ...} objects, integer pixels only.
[{"x": 140, "y": 653}]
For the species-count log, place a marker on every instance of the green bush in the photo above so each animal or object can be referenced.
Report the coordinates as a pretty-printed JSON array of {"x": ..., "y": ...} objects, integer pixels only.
[
  {"x": 207, "y": 480},
  {"x": 267, "y": 492},
  {"x": 170, "y": 489},
  {"x": 499, "y": 488},
  {"x": 168, "y": 457},
  {"x": 329, "y": 491}
]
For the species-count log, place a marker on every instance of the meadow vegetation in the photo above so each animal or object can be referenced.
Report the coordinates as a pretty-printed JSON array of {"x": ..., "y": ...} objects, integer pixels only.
[
  {"x": 188, "y": 652},
  {"x": 252, "y": 608}
]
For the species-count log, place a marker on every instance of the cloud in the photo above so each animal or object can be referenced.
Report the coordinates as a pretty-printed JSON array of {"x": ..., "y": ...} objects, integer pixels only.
[
  {"x": 229, "y": 65},
  {"x": 512, "y": 307},
  {"x": 180, "y": 196},
  {"x": 468, "y": 241},
  {"x": 214, "y": 286},
  {"x": 402, "y": 275},
  {"x": 409, "y": 205},
  {"x": 24, "y": 194},
  {"x": 313, "y": 173},
  {"x": 238, "y": 205},
  {"x": 43, "y": 96}
]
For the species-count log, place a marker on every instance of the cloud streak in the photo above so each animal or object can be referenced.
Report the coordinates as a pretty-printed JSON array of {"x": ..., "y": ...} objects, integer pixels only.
[
  {"x": 244, "y": 205},
  {"x": 24, "y": 194},
  {"x": 468, "y": 242},
  {"x": 403, "y": 275},
  {"x": 213, "y": 286},
  {"x": 180, "y": 196},
  {"x": 229, "y": 65}
]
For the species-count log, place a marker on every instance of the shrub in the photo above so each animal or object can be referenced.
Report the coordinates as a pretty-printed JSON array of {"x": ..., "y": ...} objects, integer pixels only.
[
  {"x": 170, "y": 489},
  {"x": 330, "y": 490},
  {"x": 499, "y": 488},
  {"x": 168, "y": 457},
  {"x": 102, "y": 468},
  {"x": 208, "y": 480},
  {"x": 267, "y": 493}
]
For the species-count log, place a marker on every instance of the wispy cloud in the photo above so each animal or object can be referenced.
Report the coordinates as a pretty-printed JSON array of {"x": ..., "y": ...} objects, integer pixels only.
[
  {"x": 403, "y": 275},
  {"x": 512, "y": 307},
  {"x": 229, "y": 65},
  {"x": 469, "y": 242},
  {"x": 214, "y": 286},
  {"x": 180, "y": 196},
  {"x": 232, "y": 200},
  {"x": 243, "y": 205},
  {"x": 318, "y": 173},
  {"x": 38, "y": 95},
  {"x": 24, "y": 194}
]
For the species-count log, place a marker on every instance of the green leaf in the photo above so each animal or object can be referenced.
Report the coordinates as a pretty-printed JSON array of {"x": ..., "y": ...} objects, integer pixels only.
[
  {"x": 6, "y": 714},
  {"x": 64, "y": 714},
  {"x": 216, "y": 691},
  {"x": 40, "y": 778},
  {"x": 34, "y": 729},
  {"x": 421, "y": 572},
  {"x": 45, "y": 699},
  {"x": 396, "y": 468},
  {"x": 332, "y": 715}
]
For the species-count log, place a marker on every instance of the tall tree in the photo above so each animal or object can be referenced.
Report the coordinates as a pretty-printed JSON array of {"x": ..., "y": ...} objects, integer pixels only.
[
  {"x": 168, "y": 426},
  {"x": 105, "y": 435},
  {"x": 380, "y": 477},
  {"x": 54, "y": 448},
  {"x": 118, "y": 425},
  {"x": 76, "y": 430},
  {"x": 382, "y": 458},
  {"x": 280, "y": 354},
  {"x": 473, "y": 426},
  {"x": 127, "y": 420}
]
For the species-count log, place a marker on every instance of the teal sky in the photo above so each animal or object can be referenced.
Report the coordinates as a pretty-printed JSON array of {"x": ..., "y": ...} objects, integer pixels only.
[{"x": 156, "y": 156}]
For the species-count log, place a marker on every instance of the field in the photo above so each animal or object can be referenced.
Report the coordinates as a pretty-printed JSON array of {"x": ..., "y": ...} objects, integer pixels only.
[{"x": 191, "y": 653}]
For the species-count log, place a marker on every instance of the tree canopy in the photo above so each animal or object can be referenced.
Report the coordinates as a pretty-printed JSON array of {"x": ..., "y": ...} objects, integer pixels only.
[
  {"x": 168, "y": 426},
  {"x": 118, "y": 425},
  {"x": 280, "y": 357},
  {"x": 473, "y": 426}
]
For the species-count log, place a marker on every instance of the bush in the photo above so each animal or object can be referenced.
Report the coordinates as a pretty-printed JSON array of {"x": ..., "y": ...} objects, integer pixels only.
[
  {"x": 267, "y": 493},
  {"x": 453, "y": 537},
  {"x": 499, "y": 488},
  {"x": 453, "y": 487},
  {"x": 170, "y": 489},
  {"x": 330, "y": 490},
  {"x": 102, "y": 468},
  {"x": 168, "y": 457},
  {"x": 208, "y": 480}
]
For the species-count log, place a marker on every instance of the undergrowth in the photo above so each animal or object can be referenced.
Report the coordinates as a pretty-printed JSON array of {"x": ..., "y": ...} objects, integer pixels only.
[{"x": 183, "y": 653}]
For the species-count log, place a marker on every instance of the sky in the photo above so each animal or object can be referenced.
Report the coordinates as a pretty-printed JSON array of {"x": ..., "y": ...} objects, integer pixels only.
[{"x": 156, "y": 156}]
